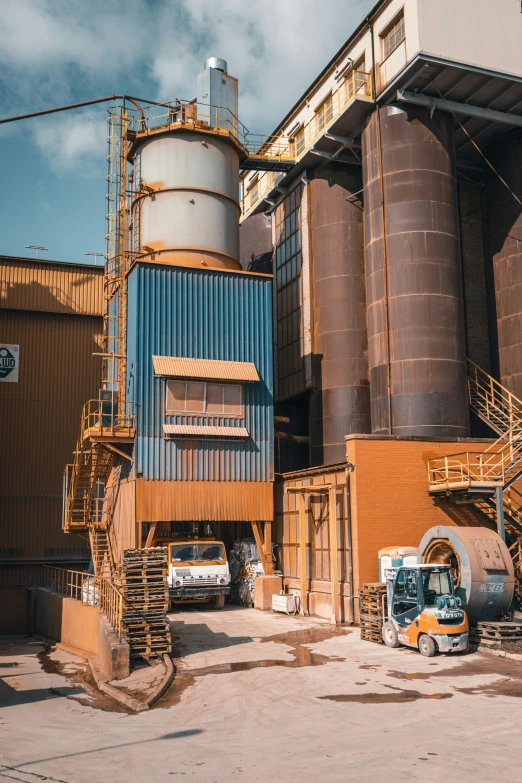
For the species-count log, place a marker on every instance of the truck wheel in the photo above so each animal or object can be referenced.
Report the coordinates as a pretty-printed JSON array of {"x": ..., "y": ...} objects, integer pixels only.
[
  {"x": 427, "y": 646},
  {"x": 219, "y": 602},
  {"x": 389, "y": 635}
]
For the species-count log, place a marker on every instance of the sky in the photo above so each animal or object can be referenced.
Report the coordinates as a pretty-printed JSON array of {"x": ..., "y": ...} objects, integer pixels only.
[{"x": 54, "y": 52}]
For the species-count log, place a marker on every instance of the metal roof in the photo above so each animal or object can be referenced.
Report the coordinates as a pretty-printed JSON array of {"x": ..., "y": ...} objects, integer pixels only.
[
  {"x": 202, "y": 432},
  {"x": 207, "y": 369}
]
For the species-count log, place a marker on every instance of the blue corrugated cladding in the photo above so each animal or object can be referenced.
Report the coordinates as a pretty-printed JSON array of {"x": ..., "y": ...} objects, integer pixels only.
[{"x": 179, "y": 311}]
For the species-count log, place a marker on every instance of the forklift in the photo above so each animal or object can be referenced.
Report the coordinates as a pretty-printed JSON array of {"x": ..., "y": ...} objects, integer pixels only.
[{"x": 423, "y": 611}]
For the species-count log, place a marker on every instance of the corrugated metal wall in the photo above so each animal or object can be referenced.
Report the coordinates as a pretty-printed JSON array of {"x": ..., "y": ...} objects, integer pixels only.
[
  {"x": 50, "y": 286},
  {"x": 39, "y": 422},
  {"x": 176, "y": 311}
]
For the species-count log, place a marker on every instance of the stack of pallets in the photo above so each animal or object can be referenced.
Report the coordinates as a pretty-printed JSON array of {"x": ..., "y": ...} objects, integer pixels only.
[
  {"x": 493, "y": 634},
  {"x": 142, "y": 580},
  {"x": 372, "y": 610}
]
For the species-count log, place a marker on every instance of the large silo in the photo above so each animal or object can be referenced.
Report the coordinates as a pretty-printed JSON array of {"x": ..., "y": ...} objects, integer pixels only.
[
  {"x": 505, "y": 236},
  {"x": 416, "y": 339},
  {"x": 340, "y": 405},
  {"x": 186, "y": 211}
]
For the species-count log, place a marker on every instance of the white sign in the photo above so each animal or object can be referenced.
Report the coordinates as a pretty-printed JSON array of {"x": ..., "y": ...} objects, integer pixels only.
[{"x": 9, "y": 360}]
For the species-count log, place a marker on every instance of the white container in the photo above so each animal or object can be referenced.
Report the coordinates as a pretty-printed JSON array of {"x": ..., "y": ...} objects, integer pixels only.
[
  {"x": 284, "y": 603},
  {"x": 395, "y": 556}
]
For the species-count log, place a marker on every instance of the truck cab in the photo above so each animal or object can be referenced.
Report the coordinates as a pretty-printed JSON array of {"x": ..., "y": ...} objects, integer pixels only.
[
  {"x": 198, "y": 571},
  {"x": 423, "y": 610}
]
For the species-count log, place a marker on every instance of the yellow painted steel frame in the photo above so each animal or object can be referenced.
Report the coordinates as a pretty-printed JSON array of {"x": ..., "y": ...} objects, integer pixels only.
[{"x": 357, "y": 84}]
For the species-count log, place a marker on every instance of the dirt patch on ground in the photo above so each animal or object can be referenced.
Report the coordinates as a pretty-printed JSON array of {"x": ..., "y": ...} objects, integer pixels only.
[{"x": 297, "y": 642}]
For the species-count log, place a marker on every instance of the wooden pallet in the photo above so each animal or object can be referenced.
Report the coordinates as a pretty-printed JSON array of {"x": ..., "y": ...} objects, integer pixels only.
[
  {"x": 497, "y": 632},
  {"x": 371, "y": 613},
  {"x": 142, "y": 580}
]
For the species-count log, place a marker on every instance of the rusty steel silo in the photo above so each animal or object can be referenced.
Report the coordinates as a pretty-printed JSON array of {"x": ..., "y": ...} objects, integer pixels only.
[
  {"x": 505, "y": 236},
  {"x": 340, "y": 405},
  {"x": 186, "y": 211},
  {"x": 416, "y": 338}
]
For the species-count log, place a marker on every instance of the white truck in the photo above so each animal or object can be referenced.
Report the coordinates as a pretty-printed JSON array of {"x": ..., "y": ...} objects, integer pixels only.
[{"x": 198, "y": 571}]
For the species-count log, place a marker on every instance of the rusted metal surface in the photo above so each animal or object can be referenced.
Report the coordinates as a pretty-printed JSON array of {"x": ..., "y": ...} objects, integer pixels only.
[
  {"x": 474, "y": 275},
  {"x": 39, "y": 418},
  {"x": 416, "y": 341},
  {"x": 505, "y": 236},
  {"x": 207, "y": 501},
  {"x": 208, "y": 369},
  {"x": 255, "y": 241},
  {"x": 341, "y": 403},
  {"x": 50, "y": 286},
  {"x": 186, "y": 207}
]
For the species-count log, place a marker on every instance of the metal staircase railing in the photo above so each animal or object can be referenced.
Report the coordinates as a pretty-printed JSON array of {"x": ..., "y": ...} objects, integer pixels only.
[{"x": 473, "y": 477}]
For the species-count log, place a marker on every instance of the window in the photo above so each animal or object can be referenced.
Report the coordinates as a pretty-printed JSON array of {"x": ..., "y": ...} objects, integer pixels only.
[
  {"x": 253, "y": 193},
  {"x": 208, "y": 399},
  {"x": 393, "y": 36},
  {"x": 324, "y": 114},
  {"x": 299, "y": 142}
]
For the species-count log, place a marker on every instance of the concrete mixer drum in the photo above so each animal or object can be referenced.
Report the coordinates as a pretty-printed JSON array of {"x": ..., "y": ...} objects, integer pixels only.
[{"x": 482, "y": 568}]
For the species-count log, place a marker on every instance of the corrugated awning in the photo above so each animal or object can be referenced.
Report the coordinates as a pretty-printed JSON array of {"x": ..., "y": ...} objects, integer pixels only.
[
  {"x": 206, "y": 369},
  {"x": 204, "y": 431}
]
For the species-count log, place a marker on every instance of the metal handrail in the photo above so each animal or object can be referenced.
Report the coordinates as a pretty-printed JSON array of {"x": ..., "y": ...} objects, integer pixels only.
[
  {"x": 493, "y": 393},
  {"x": 357, "y": 84},
  {"x": 88, "y": 589}
]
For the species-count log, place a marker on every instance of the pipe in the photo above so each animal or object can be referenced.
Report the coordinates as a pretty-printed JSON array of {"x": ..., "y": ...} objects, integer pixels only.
[
  {"x": 85, "y": 103},
  {"x": 349, "y": 468},
  {"x": 293, "y": 438}
]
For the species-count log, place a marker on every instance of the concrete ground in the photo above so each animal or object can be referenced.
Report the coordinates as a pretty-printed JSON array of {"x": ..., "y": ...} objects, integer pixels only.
[{"x": 264, "y": 697}]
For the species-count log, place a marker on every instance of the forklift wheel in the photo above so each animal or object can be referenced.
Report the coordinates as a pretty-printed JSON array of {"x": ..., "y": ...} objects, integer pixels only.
[
  {"x": 389, "y": 635},
  {"x": 427, "y": 646},
  {"x": 219, "y": 602}
]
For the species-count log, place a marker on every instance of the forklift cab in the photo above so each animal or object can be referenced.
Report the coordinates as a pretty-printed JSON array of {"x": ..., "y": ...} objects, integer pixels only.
[{"x": 423, "y": 610}]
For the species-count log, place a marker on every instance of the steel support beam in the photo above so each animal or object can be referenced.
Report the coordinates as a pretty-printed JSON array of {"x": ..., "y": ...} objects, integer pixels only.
[
  {"x": 491, "y": 115},
  {"x": 499, "y": 501}
]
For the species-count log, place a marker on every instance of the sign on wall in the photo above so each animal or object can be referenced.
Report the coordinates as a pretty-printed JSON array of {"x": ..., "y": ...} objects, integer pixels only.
[{"x": 9, "y": 359}]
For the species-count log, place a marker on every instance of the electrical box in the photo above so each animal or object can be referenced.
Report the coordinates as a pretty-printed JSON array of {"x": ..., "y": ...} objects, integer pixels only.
[
  {"x": 217, "y": 95},
  {"x": 284, "y": 603}
]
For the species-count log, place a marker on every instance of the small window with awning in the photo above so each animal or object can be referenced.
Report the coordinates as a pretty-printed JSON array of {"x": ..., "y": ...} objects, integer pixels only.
[{"x": 207, "y": 399}]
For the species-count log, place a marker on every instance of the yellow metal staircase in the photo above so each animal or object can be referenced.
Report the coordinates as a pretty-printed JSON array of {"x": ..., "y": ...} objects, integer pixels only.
[
  {"x": 86, "y": 506},
  {"x": 475, "y": 477}
]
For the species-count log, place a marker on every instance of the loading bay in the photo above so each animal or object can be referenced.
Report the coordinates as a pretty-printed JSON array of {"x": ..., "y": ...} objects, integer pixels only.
[{"x": 263, "y": 697}]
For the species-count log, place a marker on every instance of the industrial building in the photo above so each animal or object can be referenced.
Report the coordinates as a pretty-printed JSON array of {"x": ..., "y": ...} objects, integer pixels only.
[
  {"x": 51, "y": 313},
  {"x": 331, "y": 362},
  {"x": 395, "y": 217}
]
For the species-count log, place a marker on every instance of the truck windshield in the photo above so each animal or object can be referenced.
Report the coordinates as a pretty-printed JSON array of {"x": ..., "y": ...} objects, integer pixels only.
[
  {"x": 185, "y": 553},
  {"x": 435, "y": 584}
]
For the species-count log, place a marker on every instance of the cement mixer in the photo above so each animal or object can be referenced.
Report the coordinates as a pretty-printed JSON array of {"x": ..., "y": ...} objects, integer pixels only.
[{"x": 482, "y": 568}]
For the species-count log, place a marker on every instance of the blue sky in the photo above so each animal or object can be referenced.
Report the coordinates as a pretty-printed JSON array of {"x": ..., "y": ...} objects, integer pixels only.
[{"x": 54, "y": 52}]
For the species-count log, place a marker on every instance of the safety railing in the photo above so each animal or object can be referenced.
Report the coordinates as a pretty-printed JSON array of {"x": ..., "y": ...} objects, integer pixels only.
[
  {"x": 106, "y": 417},
  {"x": 496, "y": 403},
  {"x": 89, "y": 590},
  {"x": 111, "y": 603},
  {"x": 71, "y": 584},
  {"x": 357, "y": 84},
  {"x": 463, "y": 470}
]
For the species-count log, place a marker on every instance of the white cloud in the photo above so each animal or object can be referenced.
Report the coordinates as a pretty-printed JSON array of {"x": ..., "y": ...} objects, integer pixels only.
[
  {"x": 74, "y": 142},
  {"x": 59, "y": 51}
]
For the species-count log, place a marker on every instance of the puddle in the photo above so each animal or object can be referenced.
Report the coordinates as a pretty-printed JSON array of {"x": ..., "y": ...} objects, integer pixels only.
[
  {"x": 400, "y": 697},
  {"x": 508, "y": 673},
  {"x": 82, "y": 682},
  {"x": 296, "y": 640}
]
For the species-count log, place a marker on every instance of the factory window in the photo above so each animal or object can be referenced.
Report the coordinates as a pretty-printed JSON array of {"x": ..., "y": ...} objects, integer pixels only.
[
  {"x": 253, "y": 192},
  {"x": 288, "y": 282},
  {"x": 208, "y": 399},
  {"x": 324, "y": 114},
  {"x": 393, "y": 36},
  {"x": 299, "y": 141}
]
